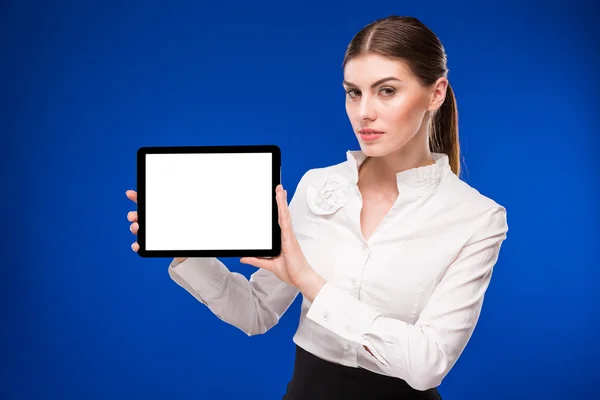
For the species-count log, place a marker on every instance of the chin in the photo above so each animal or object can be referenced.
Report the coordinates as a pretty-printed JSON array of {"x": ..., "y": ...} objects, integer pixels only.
[
  {"x": 382, "y": 149},
  {"x": 373, "y": 150}
]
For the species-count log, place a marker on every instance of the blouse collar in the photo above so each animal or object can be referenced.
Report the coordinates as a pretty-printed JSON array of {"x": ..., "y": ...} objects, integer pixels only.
[{"x": 425, "y": 177}]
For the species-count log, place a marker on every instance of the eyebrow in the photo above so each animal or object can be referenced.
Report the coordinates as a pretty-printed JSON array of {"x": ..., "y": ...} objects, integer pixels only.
[{"x": 379, "y": 82}]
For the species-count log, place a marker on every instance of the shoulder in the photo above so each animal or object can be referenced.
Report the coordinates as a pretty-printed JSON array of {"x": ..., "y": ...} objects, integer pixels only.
[
  {"x": 322, "y": 174},
  {"x": 486, "y": 215},
  {"x": 319, "y": 177},
  {"x": 322, "y": 190}
]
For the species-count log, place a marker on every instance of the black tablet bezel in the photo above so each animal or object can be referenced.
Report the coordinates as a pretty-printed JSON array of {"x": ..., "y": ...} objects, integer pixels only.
[{"x": 141, "y": 197}]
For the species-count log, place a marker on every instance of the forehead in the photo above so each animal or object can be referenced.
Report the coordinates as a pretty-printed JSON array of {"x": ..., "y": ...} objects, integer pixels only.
[{"x": 368, "y": 68}]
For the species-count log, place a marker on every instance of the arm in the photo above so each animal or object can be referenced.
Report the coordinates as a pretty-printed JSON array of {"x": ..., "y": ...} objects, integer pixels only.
[
  {"x": 421, "y": 354},
  {"x": 255, "y": 305}
]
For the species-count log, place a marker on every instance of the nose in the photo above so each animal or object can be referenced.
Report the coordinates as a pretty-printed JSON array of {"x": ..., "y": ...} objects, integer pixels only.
[{"x": 366, "y": 110}]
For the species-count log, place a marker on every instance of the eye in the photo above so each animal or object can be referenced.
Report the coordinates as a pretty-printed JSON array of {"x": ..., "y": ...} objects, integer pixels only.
[
  {"x": 388, "y": 91},
  {"x": 352, "y": 93}
]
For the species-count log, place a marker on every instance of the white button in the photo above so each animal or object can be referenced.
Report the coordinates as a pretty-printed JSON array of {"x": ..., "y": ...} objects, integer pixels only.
[
  {"x": 348, "y": 329},
  {"x": 326, "y": 316}
]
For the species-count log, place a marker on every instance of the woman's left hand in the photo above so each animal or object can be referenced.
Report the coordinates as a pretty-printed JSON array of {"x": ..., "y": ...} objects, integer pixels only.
[{"x": 290, "y": 266}]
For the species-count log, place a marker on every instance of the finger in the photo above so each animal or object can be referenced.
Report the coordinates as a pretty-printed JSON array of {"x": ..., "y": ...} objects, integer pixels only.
[
  {"x": 280, "y": 209},
  {"x": 131, "y": 195},
  {"x": 132, "y": 216},
  {"x": 134, "y": 228},
  {"x": 285, "y": 222},
  {"x": 135, "y": 246}
]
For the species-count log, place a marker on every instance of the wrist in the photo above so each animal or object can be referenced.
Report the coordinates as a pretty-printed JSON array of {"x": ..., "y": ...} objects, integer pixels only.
[{"x": 309, "y": 284}]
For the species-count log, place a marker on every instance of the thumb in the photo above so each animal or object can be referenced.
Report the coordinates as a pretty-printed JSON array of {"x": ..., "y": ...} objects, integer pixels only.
[{"x": 264, "y": 263}]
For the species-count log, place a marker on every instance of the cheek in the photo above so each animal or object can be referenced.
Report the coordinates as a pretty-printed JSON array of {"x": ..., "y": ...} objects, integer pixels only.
[
  {"x": 403, "y": 112},
  {"x": 349, "y": 111},
  {"x": 353, "y": 113}
]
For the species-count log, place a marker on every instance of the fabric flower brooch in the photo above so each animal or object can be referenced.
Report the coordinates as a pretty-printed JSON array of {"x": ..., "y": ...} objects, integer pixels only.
[{"x": 332, "y": 196}]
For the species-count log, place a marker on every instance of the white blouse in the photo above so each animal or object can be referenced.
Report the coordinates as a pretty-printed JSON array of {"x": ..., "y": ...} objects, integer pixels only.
[{"x": 412, "y": 293}]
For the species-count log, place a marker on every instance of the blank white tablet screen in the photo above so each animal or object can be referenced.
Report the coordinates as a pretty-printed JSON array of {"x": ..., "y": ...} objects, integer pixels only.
[{"x": 209, "y": 201}]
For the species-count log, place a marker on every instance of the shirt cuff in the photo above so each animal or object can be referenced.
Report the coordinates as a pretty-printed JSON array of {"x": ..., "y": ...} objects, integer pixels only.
[{"x": 343, "y": 314}]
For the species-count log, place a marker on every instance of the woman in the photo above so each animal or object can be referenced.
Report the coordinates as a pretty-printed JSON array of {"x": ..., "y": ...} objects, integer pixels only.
[{"x": 391, "y": 251}]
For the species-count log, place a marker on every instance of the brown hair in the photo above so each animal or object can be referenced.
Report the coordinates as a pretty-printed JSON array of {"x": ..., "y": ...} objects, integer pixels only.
[{"x": 409, "y": 40}]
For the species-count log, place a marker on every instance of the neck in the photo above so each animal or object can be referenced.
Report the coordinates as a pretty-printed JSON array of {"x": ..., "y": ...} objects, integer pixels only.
[{"x": 380, "y": 172}]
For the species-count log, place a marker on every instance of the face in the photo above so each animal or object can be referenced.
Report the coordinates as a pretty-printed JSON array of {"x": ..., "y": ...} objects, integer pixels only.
[{"x": 383, "y": 95}]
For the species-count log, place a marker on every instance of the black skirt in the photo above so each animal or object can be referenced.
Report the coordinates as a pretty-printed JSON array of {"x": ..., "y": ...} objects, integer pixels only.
[{"x": 317, "y": 379}]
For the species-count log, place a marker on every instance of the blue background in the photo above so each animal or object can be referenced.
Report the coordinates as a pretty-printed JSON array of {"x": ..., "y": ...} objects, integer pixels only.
[{"x": 85, "y": 84}]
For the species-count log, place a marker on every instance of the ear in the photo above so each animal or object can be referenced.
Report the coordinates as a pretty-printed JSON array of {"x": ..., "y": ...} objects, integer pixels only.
[{"x": 438, "y": 93}]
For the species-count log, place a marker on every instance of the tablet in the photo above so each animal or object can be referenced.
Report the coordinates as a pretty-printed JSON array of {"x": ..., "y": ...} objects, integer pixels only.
[{"x": 208, "y": 201}]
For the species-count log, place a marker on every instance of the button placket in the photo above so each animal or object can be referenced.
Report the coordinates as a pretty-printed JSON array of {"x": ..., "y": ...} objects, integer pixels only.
[
  {"x": 350, "y": 355},
  {"x": 355, "y": 280}
]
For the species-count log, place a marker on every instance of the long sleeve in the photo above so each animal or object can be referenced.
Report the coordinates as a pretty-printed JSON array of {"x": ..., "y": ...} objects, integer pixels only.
[
  {"x": 253, "y": 305},
  {"x": 422, "y": 354}
]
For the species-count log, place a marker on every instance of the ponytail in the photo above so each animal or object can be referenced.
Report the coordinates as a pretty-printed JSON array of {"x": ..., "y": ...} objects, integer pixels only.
[{"x": 444, "y": 132}]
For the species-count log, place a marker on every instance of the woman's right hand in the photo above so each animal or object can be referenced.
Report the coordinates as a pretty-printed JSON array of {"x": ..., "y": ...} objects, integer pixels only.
[{"x": 133, "y": 217}]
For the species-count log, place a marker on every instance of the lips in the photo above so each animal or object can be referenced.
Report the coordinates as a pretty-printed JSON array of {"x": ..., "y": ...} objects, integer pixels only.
[
  {"x": 370, "y": 135},
  {"x": 369, "y": 131}
]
